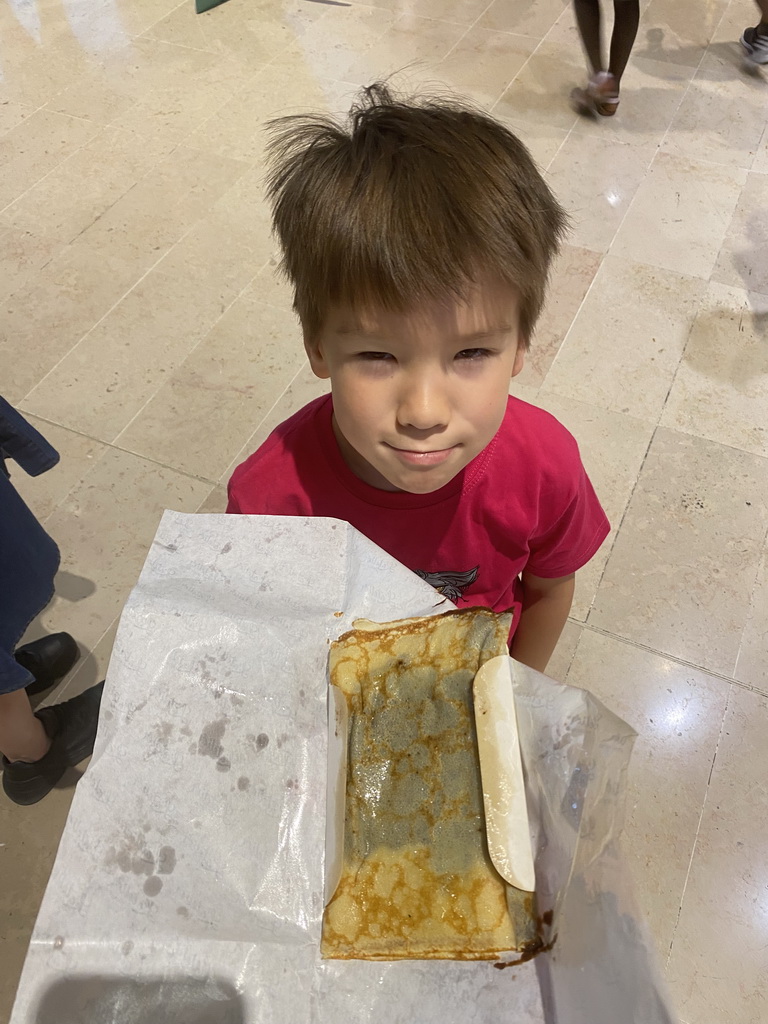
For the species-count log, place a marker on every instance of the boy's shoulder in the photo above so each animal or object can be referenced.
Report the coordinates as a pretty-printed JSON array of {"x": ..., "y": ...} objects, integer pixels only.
[
  {"x": 288, "y": 436},
  {"x": 537, "y": 436},
  {"x": 274, "y": 463}
]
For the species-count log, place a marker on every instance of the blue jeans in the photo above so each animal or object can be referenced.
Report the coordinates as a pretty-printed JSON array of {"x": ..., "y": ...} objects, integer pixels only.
[{"x": 29, "y": 560}]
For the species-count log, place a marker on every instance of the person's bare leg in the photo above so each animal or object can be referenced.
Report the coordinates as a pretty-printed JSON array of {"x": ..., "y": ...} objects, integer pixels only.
[
  {"x": 626, "y": 18},
  {"x": 588, "y": 20},
  {"x": 22, "y": 736},
  {"x": 762, "y": 28}
]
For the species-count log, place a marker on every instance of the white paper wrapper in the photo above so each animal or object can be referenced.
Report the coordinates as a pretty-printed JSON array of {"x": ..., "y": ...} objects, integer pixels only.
[{"x": 188, "y": 885}]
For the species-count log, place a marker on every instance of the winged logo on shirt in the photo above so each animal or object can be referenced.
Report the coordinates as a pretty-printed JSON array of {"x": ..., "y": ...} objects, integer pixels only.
[{"x": 449, "y": 584}]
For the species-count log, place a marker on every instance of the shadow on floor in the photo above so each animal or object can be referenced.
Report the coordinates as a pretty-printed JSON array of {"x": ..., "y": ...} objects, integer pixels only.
[{"x": 109, "y": 1000}]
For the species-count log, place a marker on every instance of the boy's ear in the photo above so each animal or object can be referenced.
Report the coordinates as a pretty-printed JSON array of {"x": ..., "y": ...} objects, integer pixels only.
[
  {"x": 519, "y": 362},
  {"x": 316, "y": 358}
]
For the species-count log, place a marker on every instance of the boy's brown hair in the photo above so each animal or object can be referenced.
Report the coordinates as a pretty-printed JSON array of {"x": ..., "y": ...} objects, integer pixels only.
[{"x": 410, "y": 201}]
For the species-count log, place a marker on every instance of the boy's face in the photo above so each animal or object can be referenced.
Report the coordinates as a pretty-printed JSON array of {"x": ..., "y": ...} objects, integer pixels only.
[{"x": 418, "y": 395}]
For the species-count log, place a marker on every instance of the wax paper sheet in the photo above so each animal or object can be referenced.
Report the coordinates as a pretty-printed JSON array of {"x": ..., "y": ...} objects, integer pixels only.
[{"x": 188, "y": 883}]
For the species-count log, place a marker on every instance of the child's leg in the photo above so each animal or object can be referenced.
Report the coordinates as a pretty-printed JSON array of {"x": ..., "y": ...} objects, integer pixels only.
[
  {"x": 626, "y": 19},
  {"x": 588, "y": 19},
  {"x": 22, "y": 736}
]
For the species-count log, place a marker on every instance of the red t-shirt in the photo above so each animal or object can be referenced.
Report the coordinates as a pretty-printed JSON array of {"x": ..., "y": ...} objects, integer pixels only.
[{"x": 525, "y": 502}]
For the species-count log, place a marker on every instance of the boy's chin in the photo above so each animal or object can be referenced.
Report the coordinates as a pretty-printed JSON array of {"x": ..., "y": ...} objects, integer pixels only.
[{"x": 426, "y": 483}]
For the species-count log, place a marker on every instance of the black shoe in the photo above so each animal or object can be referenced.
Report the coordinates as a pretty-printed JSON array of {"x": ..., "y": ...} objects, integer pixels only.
[
  {"x": 72, "y": 729},
  {"x": 48, "y": 659}
]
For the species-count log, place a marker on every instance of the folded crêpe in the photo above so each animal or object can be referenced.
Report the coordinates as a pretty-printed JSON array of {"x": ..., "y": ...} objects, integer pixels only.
[{"x": 417, "y": 881}]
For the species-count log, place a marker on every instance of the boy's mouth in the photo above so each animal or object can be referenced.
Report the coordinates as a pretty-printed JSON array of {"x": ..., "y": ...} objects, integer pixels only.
[{"x": 423, "y": 458}]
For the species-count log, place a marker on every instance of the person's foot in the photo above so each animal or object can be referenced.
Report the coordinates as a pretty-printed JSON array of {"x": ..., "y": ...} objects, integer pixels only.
[
  {"x": 755, "y": 45},
  {"x": 72, "y": 729},
  {"x": 601, "y": 96},
  {"x": 48, "y": 659}
]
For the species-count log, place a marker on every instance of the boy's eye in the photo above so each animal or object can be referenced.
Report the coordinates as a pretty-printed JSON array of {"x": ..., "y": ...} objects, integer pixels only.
[
  {"x": 375, "y": 357},
  {"x": 473, "y": 353}
]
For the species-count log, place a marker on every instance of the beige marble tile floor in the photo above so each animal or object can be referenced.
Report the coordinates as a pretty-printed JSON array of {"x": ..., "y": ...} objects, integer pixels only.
[{"x": 144, "y": 332}]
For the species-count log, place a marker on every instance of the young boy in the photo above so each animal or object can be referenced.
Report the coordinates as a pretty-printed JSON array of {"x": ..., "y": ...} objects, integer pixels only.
[{"x": 418, "y": 243}]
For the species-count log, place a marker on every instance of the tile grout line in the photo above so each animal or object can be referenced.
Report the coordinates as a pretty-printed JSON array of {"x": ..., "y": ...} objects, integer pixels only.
[
  {"x": 698, "y": 829},
  {"x": 195, "y": 347},
  {"x": 153, "y": 266},
  {"x": 732, "y": 681},
  {"x": 265, "y": 417},
  {"x": 661, "y": 141},
  {"x": 753, "y": 591}
]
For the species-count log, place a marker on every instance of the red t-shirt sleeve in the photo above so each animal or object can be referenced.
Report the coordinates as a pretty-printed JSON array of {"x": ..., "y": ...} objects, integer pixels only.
[
  {"x": 232, "y": 505},
  {"x": 571, "y": 522}
]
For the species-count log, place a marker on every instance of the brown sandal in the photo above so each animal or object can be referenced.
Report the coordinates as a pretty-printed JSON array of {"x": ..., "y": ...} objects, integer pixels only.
[{"x": 601, "y": 96}]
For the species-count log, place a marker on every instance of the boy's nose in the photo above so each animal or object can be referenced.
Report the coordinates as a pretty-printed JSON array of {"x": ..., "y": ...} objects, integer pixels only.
[{"x": 423, "y": 404}]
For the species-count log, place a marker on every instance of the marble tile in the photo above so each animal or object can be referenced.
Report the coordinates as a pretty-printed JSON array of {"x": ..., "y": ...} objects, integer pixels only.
[
  {"x": 338, "y": 39},
  {"x": 304, "y": 388},
  {"x": 572, "y": 274},
  {"x": 743, "y": 258},
  {"x": 678, "y": 32},
  {"x": 613, "y": 447},
  {"x": 238, "y": 129},
  {"x": 752, "y": 664},
  {"x": 721, "y": 388},
  {"x": 162, "y": 207},
  {"x": 37, "y": 145},
  {"x": 219, "y": 254},
  {"x": 231, "y": 379},
  {"x": 32, "y": 79},
  {"x": 140, "y": 15},
  {"x": 596, "y": 179},
  {"x": 539, "y": 93},
  {"x": 30, "y": 841},
  {"x": 719, "y": 118},
  {"x": 461, "y": 12},
  {"x": 760, "y": 163},
  {"x": 22, "y": 254},
  {"x": 270, "y": 286},
  {"x": 423, "y": 42},
  {"x": 78, "y": 455},
  {"x": 128, "y": 356},
  {"x": 543, "y": 141},
  {"x": 677, "y": 712},
  {"x": 107, "y": 549},
  {"x": 45, "y": 318},
  {"x": 680, "y": 215},
  {"x": 216, "y": 502},
  {"x": 12, "y": 114},
  {"x": 525, "y": 392},
  {"x": 726, "y": 895},
  {"x": 627, "y": 339},
  {"x": 526, "y": 17},
  {"x": 176, "y": 109},
  {"x": 483, "y": 63},
  {"x": 82, "y": 188},
  {"x": 144, "y": 66},
  {"x": 258, "y": 31},
  {"x": 681, "y": 571},
  {"x": 94, "y": 95}
]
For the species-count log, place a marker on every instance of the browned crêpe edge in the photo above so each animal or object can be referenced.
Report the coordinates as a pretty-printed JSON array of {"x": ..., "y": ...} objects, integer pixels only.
[{"x": 417, "y": 881}]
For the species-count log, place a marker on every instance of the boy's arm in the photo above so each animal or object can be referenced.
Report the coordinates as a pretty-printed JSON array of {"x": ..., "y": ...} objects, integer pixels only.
[{"x": 546, "y": 604}]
